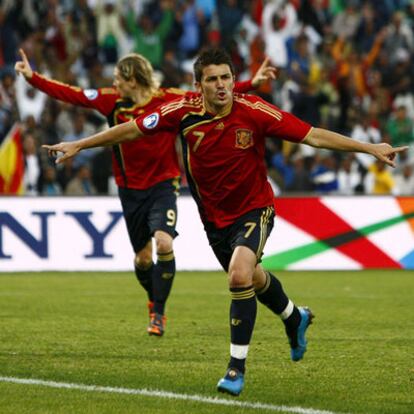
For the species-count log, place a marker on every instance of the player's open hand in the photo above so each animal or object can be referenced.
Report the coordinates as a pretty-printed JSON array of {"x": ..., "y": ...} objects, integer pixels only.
[
  {"x": 264, "y": 73},
  {"x": 23, "y": 66},
  {"x": 386, "y": 153},
  {"x": 68, "y": 149}
]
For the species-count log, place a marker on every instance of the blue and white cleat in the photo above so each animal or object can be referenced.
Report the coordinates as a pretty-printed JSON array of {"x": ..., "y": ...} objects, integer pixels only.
[
  {"x": 299, "y": 348},
  {"x": 232, "y": 383}
]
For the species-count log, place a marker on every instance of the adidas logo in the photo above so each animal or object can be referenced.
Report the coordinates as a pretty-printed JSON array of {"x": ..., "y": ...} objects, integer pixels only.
[{"x": 220, "y": 125}]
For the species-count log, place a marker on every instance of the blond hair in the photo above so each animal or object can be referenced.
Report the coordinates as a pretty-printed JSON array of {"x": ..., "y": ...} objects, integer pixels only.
[{"x": 135, "y": 66}]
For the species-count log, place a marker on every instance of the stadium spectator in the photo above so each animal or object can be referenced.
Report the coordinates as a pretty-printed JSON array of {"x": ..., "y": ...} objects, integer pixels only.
[
  {"x": 301, "y": 176},
  {"x": 30, "y": 102},
  {"x": 32, "y": 165},
  {"x": 149, "y": 37},
  {"x": 304, "y": 68},
  {"x": 110, "y": 32},
  {"x": 279, "y": 23},
  {"x": 399, "y": 36},
  {"x": 349, "y": 176},
  {"x": 229, "y": 182},
  {"x": 404, "y": 180},
  {"x": 400, "y": 128},
  {"x": 229, "y": 15},
  {"x": 65, "y": 172},
  {"x": 9, "y": 16},
  {"x": 365, "y": 132},
  {"x": 323, "y": 173},
  {"x": 345, "y": 23},
  {"x": 315, "y": 14},
  {"x": 379, "y": 179},
  {"x": 189, "y": 41},
  {"x": 8, "y": 105},
  {"x": 81, "y": 129},
  {"x": 50, "y": 186},
  {"x": 369, "y": 26},
  {"x": 81, "y": 184}
]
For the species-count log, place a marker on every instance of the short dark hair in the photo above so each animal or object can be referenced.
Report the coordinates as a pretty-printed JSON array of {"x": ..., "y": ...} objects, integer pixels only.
[{"x": 211, "y": 57}]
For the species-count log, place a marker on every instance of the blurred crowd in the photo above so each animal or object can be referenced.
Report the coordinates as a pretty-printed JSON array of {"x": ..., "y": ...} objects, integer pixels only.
[{"x": 343, "y": 65}]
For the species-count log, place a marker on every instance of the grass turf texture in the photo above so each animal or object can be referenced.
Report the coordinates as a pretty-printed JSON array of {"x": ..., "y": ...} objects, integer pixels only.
[{"x": 90, "y": 328}]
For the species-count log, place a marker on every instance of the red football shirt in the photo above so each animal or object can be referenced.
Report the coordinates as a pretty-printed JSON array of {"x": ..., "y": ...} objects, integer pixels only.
[
  {"x": 224, "y": 155},
  {"x": 137, "y": 164}
]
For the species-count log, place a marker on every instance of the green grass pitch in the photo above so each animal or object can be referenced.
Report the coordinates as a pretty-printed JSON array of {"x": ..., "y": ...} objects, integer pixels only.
[{"x": 90, "y": 328}]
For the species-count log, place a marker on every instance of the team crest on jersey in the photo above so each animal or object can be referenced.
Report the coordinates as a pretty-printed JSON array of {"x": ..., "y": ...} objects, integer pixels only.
[
  {"x": 151, "y": 121},
  {"x": 91, "y": 94},
  {"x": 244, "y": 138}
]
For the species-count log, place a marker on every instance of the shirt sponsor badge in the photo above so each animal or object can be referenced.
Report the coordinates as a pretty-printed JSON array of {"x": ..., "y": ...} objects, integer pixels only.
[
  {"x": 151, "y": 121},
  {"x": 91, "y": 94}
]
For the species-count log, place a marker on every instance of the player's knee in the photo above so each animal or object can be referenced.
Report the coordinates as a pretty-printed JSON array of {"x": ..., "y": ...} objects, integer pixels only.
[
  {"x": 239, "y": 277},
  {"x": 143, "y": 259},
  {"x": 164, "y": 244}
]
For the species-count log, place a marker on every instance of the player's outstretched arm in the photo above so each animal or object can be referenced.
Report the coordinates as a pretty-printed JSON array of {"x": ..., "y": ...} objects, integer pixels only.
[
  {"x": 323, "y": 138},
  {"x": 264, "y": 73},
  {"x": 115, "y": 135},
  {"x": 22, "y": 67}
]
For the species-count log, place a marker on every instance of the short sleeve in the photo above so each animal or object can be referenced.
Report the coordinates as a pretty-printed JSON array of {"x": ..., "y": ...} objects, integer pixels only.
[
  {"x": 287, "y": 126},
  {"x": 276, "y": 123},
  {"x": 158, "y": 121}
]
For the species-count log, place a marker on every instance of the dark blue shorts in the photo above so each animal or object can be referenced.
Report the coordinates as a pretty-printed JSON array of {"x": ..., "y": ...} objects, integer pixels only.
[
  {"x": 146, "y": 211},
  {"x": 250, "y": 230}
]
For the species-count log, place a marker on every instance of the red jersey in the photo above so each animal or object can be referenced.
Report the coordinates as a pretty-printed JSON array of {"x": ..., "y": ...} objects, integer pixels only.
[
  {"x": 137, "y": 164},
  {"x": 224, "y": 154}
]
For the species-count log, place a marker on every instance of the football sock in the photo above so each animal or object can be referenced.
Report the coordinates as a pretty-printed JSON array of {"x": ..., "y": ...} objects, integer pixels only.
[
  {"x": 163, "y": 277},
  {"x": 273, "y": 296},
  {"x": 243, "y": 311},
  {"x": 144, "y": 277}
]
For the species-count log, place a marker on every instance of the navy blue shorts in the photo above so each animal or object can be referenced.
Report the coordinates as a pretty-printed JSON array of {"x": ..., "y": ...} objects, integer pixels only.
[
  {"x": 146, "y": 211},
  {"x": 250, "y": 230}
]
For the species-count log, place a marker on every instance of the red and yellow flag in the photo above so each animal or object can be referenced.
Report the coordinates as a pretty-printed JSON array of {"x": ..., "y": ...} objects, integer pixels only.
[{"x": 12, "y": 162}]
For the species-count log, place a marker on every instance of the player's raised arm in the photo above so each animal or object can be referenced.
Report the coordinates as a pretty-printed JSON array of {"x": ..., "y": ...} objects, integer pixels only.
[
  {"x": 323, "y": 138},
  {"x": 265, "y": 73},
  {"x": 115, "y": 135},
  {"x": 23, "y": 67}
]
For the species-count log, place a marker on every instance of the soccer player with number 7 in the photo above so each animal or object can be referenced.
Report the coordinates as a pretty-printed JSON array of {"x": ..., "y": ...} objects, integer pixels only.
[{"x": 223, "y": 136}]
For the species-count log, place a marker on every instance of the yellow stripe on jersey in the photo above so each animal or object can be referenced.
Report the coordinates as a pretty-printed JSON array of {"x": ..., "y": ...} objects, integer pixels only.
[
  {"x": 196, "y": 100},
  {"x": 172, "y": 106},
  {"x": 261, "y": 107},
  {"x": 206, "y": 121},
  {"x": 190, "y": 171},
  {"x": 176, "y": 91},
  {"x": 177, "y": 105},
  {"x": 108, "y": 91},
  {"x": 185, "y": 131}
]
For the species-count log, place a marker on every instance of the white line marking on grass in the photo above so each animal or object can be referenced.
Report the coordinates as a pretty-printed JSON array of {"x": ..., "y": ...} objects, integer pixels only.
[{"x": 165, "y": 394}]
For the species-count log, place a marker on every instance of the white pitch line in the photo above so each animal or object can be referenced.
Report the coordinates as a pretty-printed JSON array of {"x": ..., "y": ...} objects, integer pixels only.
[{"x": 165, "y": 394}]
